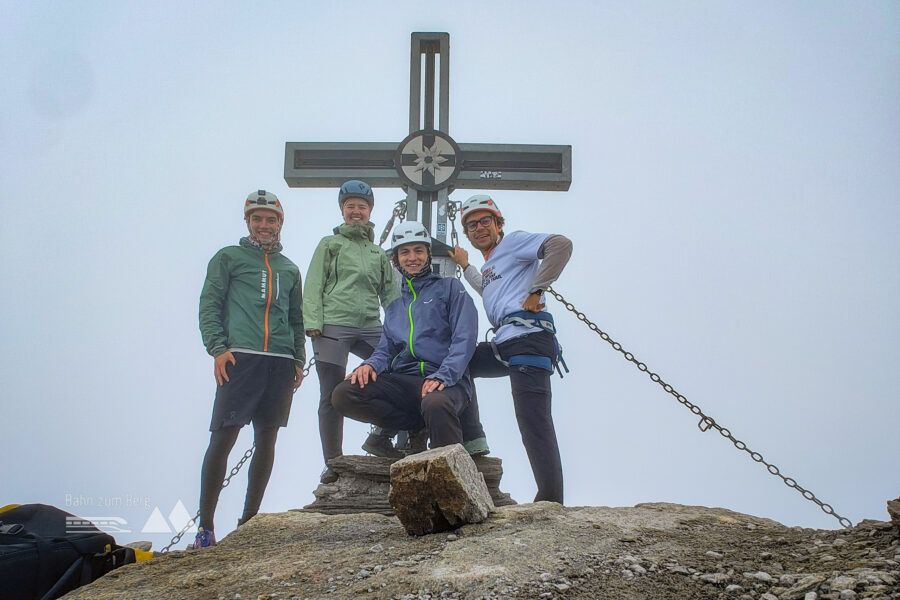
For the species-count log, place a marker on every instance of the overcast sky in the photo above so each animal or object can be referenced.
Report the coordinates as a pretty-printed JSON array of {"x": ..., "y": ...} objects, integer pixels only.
[{"x": 734, "y": 210}]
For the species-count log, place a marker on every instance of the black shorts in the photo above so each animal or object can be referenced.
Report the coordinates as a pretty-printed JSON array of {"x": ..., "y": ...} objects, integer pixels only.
[{"x": 261, "y": 389}]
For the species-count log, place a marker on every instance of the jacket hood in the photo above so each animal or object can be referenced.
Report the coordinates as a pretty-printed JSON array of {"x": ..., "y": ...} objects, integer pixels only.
[{"x": 356, "y": 232}]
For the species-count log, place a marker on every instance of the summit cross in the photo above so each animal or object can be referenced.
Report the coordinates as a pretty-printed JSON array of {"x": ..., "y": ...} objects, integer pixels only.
[{"x": 428, "y": 164}]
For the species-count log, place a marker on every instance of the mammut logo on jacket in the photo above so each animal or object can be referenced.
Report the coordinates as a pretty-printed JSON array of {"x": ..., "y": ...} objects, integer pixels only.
[{"x": 263, "y": 283}]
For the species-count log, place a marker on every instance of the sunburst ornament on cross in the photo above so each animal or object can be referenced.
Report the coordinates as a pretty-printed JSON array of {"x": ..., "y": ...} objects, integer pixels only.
[{"x": 427, "y": 160}]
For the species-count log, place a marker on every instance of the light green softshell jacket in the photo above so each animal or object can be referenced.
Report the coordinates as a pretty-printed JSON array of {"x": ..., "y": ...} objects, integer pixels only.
[{"x": 347, "y": 277}]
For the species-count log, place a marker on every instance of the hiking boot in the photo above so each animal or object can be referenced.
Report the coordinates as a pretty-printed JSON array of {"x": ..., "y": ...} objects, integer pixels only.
[
  {"x": 204, "y": 539},
  {"x": 418, "y": 441},
  {"x": 329, "y": 475},
  {"x": 477, "y": 447},
  {"x": 380, "y": 445}
]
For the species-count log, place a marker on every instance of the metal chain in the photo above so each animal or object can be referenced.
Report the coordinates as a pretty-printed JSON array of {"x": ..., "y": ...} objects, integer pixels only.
[
  {"x": 309, "y": 365},
  {"x": 452, "y": 210},
  {"x": 234, "y": 471},
  {"x": 399, "y": 212},
  {"x": 705, "y": 421}
]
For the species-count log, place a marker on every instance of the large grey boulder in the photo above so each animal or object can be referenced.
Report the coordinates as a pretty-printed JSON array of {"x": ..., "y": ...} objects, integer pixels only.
[
  {"x": 364, "y": 483},
  {"x": 438, "y": 490}
]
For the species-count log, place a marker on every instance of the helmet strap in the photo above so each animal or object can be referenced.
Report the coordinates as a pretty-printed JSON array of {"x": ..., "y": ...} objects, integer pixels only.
[{"x": 425, "y": 270}]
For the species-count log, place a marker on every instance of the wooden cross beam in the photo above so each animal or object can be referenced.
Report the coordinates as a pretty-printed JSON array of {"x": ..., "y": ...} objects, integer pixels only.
[{"x": 428, "y": 164}]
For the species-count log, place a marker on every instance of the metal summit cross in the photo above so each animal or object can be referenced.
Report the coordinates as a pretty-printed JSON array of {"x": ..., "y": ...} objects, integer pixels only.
[{"x": 428, "y": 164}]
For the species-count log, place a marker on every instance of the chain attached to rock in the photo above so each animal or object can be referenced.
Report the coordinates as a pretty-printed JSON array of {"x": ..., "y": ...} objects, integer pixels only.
[
  {"x": 234, "y": 471},
  {"x": 705, "y": 422}
]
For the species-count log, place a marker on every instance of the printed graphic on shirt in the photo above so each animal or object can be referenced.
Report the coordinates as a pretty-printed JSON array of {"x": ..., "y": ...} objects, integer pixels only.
[
  {"x": 487, "y": 276},
  {"x": 511, "y": 268}
]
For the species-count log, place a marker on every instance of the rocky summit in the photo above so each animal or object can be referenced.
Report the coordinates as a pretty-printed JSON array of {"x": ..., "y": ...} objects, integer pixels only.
[{"x": 528, "y": 551}]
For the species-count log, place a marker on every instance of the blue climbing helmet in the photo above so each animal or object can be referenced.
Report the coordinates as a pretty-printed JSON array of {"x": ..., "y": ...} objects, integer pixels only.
[{"x": 356, "y": 189}]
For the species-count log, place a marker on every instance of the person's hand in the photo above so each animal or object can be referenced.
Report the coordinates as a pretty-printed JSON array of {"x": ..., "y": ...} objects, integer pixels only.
[
  {"x": 362, "y": 375},
  {"x": 219, "y": 366},
  {"x": 533, "y": 303},
  {"x": 298, "y": 376},
  {"x": 431, "y": 385},
  {"x": 313, "y": 332},
  {"x": 459, "y": 256}
]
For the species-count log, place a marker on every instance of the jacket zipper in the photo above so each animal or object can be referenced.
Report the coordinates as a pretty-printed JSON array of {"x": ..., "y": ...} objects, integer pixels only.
[
  {"x": 411, "y": 351},
  {"x": 268, "y": 304}
]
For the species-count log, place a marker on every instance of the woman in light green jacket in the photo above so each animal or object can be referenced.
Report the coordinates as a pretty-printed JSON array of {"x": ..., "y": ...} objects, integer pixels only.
[{"x": 348, "y": 279}]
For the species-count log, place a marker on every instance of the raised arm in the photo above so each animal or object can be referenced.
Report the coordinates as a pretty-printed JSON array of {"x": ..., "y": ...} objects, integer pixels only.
[{"x": 471, "y": 273}]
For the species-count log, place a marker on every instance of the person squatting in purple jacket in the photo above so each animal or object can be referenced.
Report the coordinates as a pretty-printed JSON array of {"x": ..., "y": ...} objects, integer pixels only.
[{"x": 417, "y": 379}]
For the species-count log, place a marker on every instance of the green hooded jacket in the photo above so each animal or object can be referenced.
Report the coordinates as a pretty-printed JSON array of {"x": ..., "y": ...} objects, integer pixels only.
[
  {"x": 252, "y": 302},
  {"x": 347, "y": 277}
]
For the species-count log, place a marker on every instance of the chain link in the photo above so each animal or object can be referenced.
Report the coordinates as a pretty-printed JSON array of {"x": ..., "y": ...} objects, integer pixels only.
[
  {"x": 234, "y": 471},
  {"x": 705, "y": 422},
  {"x": 309, "y": 365},
  {"x": 452, "y": 210},
  {"x": 399, "y": 212}
]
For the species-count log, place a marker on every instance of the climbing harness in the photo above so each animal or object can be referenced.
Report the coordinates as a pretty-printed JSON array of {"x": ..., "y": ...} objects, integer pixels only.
[
  {"x": 399, "y": 212},
  {"x": 706, "y": 422},
  {"x": 234, "y": 471},
  {"x": 541, "y": 320}
]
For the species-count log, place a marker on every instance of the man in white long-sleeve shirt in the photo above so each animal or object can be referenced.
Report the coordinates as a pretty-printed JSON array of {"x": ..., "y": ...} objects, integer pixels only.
[{"x": 518, "y": 267}]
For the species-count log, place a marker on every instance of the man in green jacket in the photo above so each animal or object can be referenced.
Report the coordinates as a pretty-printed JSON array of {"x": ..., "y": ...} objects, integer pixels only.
[
  {"x": 348, "y": 278},
  {"x": 251, "y": 321}
]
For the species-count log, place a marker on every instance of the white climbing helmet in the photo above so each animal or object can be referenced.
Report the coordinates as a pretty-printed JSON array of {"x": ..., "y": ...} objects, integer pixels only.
[
  {"x": 263, "y": 199},
  {"x": 478, "y": 202},
  {"x": 409, "y": 232}
]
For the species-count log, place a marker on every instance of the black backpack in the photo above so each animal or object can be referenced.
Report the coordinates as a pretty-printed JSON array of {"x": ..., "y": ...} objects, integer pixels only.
[{"x": 46, "y": 552}]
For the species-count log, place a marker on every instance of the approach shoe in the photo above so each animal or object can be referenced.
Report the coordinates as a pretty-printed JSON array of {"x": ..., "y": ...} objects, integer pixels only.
[
  {"x": 418, "y": 441},
  {"x": 380, "y": 445},
  {"x": 329, "y": 475},
  {"x": 204, "y": 539},
  {"x": 477, "y": 447}
]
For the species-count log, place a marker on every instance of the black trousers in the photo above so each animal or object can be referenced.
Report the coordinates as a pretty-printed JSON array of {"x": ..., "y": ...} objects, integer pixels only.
[
  {"x": 532, "y": 401},
  {"x": 331, "y": 422},
  {"x": 221, "y": 441},
  {"x": 395, "y": 402}
]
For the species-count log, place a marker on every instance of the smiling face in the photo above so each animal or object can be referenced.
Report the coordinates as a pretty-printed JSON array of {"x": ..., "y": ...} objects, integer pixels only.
[
  {"x": 264, "y": 225},
  {"x": 356, "y": 211},
  {"x": 412, "y": 257},
  {"x": 483, "y": 236}
]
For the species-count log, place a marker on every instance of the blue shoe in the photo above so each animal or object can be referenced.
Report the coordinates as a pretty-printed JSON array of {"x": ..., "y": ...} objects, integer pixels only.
[{"x": 204, "y": 539}]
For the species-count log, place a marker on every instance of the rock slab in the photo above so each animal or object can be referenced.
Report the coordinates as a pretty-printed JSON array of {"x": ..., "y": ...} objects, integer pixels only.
[
  {"x": 893, "y": 507},
  {"x": 526, "y": 552},
  {"x": 438, "y": 490}
]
